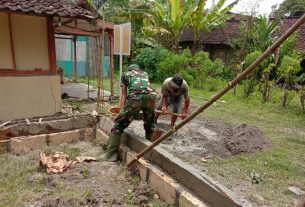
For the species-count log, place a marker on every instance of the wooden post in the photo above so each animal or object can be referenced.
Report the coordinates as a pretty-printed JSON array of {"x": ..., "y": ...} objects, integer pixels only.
[
  {"x": 75, "y": 60},
  {"x": 101, "y": 67},
  {"x": 111, "y": 63},
  {"x": 12, "y": 41},
  {"x": 230, "y": 85}
]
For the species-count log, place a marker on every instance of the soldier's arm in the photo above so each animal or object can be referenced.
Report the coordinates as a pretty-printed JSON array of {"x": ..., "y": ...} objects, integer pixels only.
[{"x": 123, "y": 96}]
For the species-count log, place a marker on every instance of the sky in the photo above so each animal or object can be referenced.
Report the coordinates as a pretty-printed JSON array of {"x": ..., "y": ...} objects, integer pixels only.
[{"x": 262, "y": 6}]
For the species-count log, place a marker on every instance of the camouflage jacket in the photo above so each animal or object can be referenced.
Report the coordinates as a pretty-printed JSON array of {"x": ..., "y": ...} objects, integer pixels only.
[{"x": 137, "y": 82}]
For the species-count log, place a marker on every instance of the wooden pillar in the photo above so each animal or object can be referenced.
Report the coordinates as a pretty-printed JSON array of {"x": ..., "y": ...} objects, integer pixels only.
[
  {"x": 111, "y": 48},
  {"x": 51, "y": 45},
  {"x": 12, "y": 41},
  {"x": 75, "y": 60}
]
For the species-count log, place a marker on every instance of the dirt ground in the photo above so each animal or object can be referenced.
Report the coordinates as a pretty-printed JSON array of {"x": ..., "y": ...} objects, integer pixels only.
[
  {"x": 201, "y": 139},
  {"x": 84, "y": 184}
]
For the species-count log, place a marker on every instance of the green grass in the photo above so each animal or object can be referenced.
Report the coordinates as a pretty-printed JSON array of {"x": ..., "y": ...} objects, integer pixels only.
[{"x": 283, "y": 165}]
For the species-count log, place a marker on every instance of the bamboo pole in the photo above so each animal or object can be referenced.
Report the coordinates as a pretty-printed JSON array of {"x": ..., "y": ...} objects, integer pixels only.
[{"x": 230, "y": 85}]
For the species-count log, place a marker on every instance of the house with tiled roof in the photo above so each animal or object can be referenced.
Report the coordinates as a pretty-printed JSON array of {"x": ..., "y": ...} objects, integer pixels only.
[
  {"x": 218, "y": 41},
  {"x": 287, "y": 22},
  {"x": 29, "y": 80}
]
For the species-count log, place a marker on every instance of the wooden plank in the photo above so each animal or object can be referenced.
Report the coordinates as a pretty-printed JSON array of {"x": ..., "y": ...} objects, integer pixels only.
[{"x": 72, "y": 31}]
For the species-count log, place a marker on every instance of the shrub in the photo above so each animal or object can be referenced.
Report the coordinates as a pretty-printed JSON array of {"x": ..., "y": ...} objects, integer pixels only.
[
  {"x": 149, "y": 59},
  {"x": 174, "y": 63},
  {"x": 289, "y": 68},
  {"x": 205, "y": 68}
]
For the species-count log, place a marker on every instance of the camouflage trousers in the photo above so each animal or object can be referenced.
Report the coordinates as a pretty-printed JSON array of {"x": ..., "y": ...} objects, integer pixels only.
[{"x": 135, "y": 104}]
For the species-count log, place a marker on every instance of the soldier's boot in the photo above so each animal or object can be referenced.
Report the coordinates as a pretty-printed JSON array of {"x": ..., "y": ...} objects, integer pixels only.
[
  {"x": 112, "y": 152},
  {"x": 149, "y": 136}
]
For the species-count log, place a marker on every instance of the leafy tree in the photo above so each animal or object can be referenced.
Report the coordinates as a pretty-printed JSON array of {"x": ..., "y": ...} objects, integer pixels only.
[
  {"x": 291, "y": 7},
  {"x": 167, "y": 19}
]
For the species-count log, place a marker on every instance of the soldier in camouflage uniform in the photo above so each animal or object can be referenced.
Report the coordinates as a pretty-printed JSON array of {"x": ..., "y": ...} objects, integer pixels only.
[{"x": 137, "y": 95}]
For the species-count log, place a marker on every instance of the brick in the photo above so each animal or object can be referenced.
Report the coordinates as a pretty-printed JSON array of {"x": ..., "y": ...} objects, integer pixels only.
[
  {"x": 89, "y": 134},
  {"x": 23, "y": 145},
  {"x": 63, "y": 137},
  {"x": 4, "y": 146},
  {"x": 101, "y": 137},
  {"x": 163, "y": 184},
  {"x": 106, "y": 124},
  {"x": 186, "y": 199}
]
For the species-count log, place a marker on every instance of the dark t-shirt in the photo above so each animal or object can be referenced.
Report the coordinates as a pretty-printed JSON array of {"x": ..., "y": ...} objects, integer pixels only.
[{"x": 169, "y": 86}]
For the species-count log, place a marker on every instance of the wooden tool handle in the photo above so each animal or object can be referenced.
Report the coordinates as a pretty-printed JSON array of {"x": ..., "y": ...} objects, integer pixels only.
[{"x": 168, "y": 112}]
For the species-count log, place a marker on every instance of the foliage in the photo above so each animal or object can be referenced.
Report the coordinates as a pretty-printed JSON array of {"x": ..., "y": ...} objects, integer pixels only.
[
  {"x": 206, "y": 68},
  {"x": 266, "y": 84},
  {"x": 149, "y": 58},
  {"x": 289, "y": 68},
  {"x": 174, "y": 64},
  {"x": 208, "y": 19},
  {"x": 262, "y": 34},
  {"x": 195, "y": 69},
  {"x": 257, "y": 75},
  {"x": 166, "y": 19},
  {"x": 290, "y": 7},
  {"x": 288, "y": 46}
]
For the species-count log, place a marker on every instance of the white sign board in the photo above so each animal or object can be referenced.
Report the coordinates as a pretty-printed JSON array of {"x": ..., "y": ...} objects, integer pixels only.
[{"x": 122, "y": 39}]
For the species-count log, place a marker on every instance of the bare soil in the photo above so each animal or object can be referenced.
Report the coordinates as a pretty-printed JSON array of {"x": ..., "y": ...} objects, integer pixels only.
[
  {"x": 85, "y": 184},
  {"x": 200, "y": 139}
]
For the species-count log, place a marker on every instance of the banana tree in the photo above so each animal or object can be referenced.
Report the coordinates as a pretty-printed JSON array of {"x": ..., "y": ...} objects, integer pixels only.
[
  {"x": 167, "y": 19},
  {"x": 205, "y": 20}
]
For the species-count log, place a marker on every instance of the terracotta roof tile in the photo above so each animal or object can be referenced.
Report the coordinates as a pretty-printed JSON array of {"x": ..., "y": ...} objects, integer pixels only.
[
  {"x": 287, "y": 23},
  {"x": 222, "y": 35},
  {"x": 48, "y": 7}
]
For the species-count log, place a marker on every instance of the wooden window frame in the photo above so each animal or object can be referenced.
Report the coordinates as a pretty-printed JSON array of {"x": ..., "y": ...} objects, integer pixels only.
[{"x": 51, "y": 53}]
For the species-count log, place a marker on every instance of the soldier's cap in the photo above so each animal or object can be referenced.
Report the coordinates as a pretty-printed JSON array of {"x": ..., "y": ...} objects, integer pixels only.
[
  {"x": 177, "y": 79},
  {"x": 133, "y": 66}
]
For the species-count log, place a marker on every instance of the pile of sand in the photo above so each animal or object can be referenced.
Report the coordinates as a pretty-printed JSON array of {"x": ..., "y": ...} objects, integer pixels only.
[{"x": 245, "y": 138}]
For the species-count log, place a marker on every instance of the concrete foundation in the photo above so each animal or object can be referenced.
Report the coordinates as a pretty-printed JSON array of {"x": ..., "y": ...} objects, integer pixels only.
[{"x": 46, "y": 127}]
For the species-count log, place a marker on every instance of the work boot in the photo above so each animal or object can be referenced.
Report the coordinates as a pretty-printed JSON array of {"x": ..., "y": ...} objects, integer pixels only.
[
  {"x": 112, "y": 152},
  {"x": 149, "y": 136}
]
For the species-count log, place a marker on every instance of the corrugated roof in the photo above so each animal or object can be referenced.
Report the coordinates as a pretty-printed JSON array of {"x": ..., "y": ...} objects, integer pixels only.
[{"x": 60, "y": 8}]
